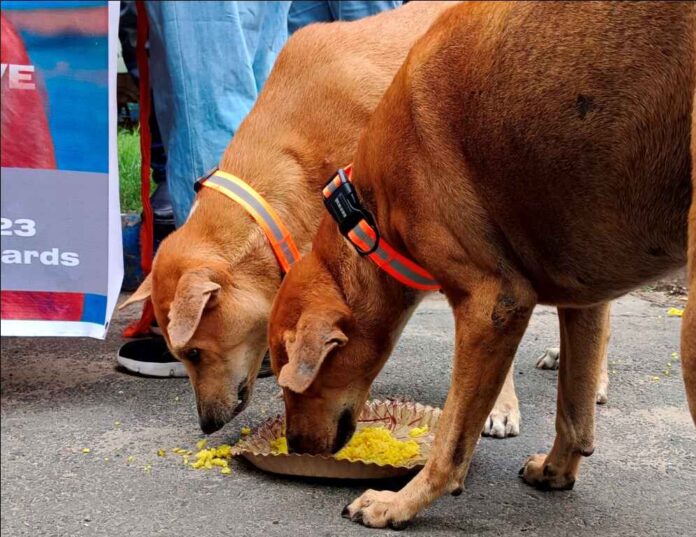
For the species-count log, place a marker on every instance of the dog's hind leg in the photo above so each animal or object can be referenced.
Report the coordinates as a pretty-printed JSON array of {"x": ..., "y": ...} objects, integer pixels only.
[
  {"x": 688, "y": 334},
  {"x": 583, "y": 347},
  {"x": 504, "y": 419},
  {"x": 551, "y": 359}
]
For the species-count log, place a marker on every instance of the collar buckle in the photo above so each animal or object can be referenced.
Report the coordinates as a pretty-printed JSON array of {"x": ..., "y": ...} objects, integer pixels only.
[{"x": 343, "y": 204}]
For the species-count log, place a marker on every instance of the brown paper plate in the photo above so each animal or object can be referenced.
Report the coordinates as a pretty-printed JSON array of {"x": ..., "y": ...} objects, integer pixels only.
[{"x": 397, "y": 416}]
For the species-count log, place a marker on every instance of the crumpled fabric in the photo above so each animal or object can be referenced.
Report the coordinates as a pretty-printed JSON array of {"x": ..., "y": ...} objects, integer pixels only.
[
  {"x": 308, "y": 11},
  {"x": 208, "y": 61}
]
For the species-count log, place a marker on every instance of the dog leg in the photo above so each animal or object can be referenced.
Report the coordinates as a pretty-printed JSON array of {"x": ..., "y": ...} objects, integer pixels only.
[
  {"x": 603, "y": 384},
  {"x": 549, "y": 360},
  {"x": 504, "y": 419},
  {"x": 688, "y": 334},
  {"x": 490, "y": 322},
  {"x": 583, "y": 346}
]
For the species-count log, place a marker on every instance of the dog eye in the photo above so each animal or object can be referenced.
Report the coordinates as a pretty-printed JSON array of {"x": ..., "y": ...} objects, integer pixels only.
[{"x": 193, "y": 355}]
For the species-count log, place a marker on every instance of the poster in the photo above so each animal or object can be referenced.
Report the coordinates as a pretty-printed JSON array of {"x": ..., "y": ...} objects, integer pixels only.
[{"x": 62, "y": 261}]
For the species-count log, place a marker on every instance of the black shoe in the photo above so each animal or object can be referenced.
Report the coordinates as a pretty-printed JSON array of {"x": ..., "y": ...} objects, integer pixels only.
[
  {"x": 162, "y": 205},
  {"x": 149, "y": 356}
]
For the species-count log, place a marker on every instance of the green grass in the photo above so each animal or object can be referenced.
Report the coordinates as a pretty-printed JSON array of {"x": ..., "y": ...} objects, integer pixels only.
[{"x": 129, "y": 170}]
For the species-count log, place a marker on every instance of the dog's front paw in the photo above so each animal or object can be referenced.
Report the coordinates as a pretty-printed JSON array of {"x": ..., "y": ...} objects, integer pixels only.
[
  {"x": 503, "y": 421},
  {"x": 538, "y": 473},
  {"x": 378, "y": 509},
  {"x": 549, "y": 360}
]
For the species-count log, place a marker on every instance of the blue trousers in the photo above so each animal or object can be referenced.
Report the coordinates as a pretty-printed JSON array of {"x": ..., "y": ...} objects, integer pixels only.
[
  {"x": 208, "y": 62},
  {"x": 307, "y": 11}
]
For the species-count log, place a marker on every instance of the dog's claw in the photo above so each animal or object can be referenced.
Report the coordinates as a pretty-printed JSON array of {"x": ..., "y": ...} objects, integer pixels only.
[
  {"x": 399, "y": 526},
  {"x": 358, "y": 517},
  {"x": 379, "y": 509}
]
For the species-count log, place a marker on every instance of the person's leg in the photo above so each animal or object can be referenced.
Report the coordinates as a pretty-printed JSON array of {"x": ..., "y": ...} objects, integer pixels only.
[
  {"x": 204, "y": 71},
  {"x": 305, "y": 12},
  {"x": 160, "y": 200},
  {"x": 208, "y": 62},
  {"x": 354, "y": 10}
]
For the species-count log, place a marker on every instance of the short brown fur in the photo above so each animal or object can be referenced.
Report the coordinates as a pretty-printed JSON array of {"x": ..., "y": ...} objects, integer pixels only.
[
  {"x": 321, "y": 92},
  {"x": 525, "y": 153}
]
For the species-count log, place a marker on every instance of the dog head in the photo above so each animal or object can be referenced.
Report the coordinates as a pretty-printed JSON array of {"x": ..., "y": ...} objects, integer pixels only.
[
  {"x": 328, "y": 342},
  {"x": 213, "y": 316}
]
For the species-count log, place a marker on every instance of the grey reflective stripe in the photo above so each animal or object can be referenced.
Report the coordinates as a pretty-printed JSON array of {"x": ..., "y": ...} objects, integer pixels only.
[
  {"x": 288, "y": 254},
  {"x": 413, "y": 276},
  {"x": 368, "y": 240},
  {"x": 260, "y": 209},
  {"x": 395, "y": 263},
  {"x": 331, "y": 186}
]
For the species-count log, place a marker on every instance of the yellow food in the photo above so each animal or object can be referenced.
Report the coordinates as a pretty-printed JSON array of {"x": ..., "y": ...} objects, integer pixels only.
[
  {"x": 245, "y": 431},
  {"x": 371, "y": 444},
  {"x": 161, "y": 452},
  {"x": 86, "y": 450},
  {"x": 208, "y": 458},
  {"x": 226, "y": 470},
  {"x": 417, "y": 432},
  {"x": 279, "y": 446},
  {"x": 201, "y": 444},
  {"x": 675, "y": 312},
  {"x": 376, "y": 444}
]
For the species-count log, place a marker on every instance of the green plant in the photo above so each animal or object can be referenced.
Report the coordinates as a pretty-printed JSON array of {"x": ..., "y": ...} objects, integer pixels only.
[{"x": 129, "y": 170}]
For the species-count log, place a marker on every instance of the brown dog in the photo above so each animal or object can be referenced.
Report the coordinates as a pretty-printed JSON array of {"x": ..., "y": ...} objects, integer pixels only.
[
  {"x": 215, "y": 278},
  {"x": 524, "y": 154}
]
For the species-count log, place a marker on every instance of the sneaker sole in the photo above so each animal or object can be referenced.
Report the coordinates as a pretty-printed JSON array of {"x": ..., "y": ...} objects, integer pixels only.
[{"x": 153, "y": 369}]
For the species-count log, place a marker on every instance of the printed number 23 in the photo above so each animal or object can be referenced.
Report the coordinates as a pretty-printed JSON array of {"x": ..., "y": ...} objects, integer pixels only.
[{"x": 23, "y": 227}]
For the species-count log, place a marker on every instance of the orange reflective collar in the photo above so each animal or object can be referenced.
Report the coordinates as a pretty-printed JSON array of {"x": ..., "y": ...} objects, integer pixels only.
[
  {"x": 237, "y": 190},
  {"x": 357, "y": 225}
]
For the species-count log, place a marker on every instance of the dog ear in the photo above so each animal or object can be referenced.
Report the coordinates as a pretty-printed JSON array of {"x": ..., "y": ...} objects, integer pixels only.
[
  {"x": 307, "y": 347},
  {"x": 194, "y": 292},
  {"x": 141, "y": 293}
]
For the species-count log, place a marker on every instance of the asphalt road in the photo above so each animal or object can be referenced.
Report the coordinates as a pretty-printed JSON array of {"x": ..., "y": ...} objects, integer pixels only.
[{"x": 60, "y": 396}]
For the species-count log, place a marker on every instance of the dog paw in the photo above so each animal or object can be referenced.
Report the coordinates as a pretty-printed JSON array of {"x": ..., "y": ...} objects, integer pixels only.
[
  {"x": 378, "y": 509},
  {"x": 602, "y": 397},
  {"x": 503, "y": 421},
  {"x": 537, "y": 473},
  {"x": 549, "y": 360}
]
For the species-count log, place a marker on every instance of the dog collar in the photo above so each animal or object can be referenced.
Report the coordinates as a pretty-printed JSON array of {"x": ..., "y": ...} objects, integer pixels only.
[
  {"x": 266, "y": 217},
  {"x": 359, "y": 227}
]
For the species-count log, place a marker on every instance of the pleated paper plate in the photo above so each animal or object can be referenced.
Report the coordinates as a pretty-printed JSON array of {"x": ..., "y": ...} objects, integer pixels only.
[{"x": 397, "y": 416}]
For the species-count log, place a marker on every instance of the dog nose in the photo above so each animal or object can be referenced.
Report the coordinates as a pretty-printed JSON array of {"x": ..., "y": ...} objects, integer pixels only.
[
  {"x": 344, "y": 430},
  {"x": 299, "y": 443},
  {"x": 209, "y": 426}
]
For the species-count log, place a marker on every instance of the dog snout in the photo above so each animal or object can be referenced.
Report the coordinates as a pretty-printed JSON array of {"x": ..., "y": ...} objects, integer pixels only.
[
  {"x": 344, "y": 430},
  {"x": 301, "y": 443},
  {"x": 210, "y": 424}
]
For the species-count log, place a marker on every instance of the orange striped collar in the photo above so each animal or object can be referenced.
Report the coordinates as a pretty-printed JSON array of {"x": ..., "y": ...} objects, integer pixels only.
[
  {"x": 260, "y": 210},
  {"x": 359, "y": 227}
]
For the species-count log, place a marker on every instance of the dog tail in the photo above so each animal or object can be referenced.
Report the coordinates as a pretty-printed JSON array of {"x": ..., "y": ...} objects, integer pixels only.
[{"x": 688, "y": 335}]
